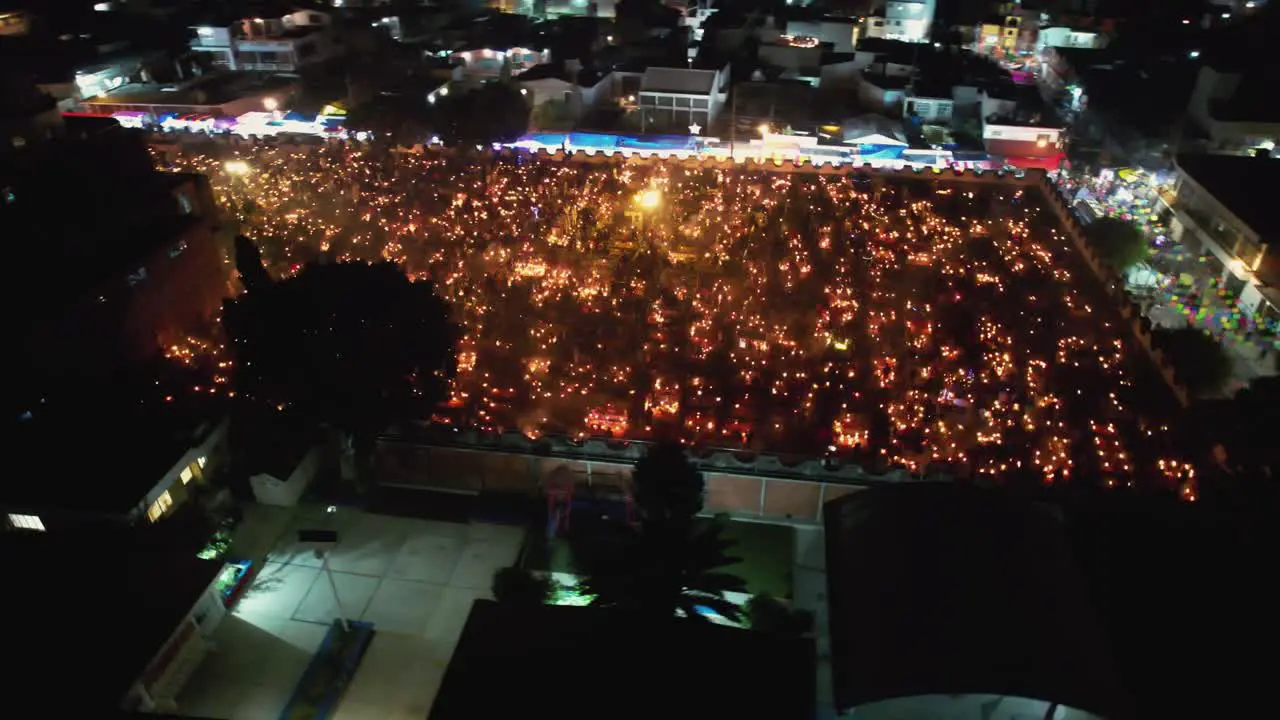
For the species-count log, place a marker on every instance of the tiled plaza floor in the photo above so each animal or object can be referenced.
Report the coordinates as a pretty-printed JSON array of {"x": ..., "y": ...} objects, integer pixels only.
[{"x": 414, "y": 579}]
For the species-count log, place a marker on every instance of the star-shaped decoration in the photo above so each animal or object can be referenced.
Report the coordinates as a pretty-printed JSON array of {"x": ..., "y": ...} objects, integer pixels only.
[{"x": 695, "y": 129}]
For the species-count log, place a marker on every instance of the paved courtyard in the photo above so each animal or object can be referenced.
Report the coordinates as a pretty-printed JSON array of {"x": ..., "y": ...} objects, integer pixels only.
[{"x": 414, "y": 579}]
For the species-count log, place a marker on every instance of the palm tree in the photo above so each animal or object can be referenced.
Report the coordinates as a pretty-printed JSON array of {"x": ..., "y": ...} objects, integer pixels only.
[{"x": 669, "y": 562}]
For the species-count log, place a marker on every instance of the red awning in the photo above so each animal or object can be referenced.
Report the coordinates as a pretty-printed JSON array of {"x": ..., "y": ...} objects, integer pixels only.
[{"x": 1048, "y": 162}]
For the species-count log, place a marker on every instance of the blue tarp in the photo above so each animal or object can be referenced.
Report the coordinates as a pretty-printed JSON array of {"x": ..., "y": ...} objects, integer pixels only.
[
  {"x": 602, "y": 141},
  {"x": 878, "y": 152}
]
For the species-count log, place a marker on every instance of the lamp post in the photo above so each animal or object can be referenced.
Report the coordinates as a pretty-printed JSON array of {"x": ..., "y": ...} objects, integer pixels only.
[
  {"x": 648, "y": 201},
  {"x": 323, "y": 541}
]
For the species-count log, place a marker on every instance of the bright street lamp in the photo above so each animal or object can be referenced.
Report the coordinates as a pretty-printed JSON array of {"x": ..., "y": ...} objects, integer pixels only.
[{"x": 649, "y": 199}]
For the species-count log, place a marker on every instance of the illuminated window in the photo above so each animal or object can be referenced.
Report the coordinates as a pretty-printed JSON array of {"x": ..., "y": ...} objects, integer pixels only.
[
  {"x": 26, "y": 522},
  {"x": 201, "y": 460},
  {"x": 185, "y": 475},
  {"x": 159, "y": 507}
]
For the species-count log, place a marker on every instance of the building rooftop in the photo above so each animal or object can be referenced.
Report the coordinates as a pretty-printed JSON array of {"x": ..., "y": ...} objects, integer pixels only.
[
  {"x": 1242, "y": 185},
  {"x": 885, "y": 81},
  {"x": 1253, "y": 100},
  {"x": 206, "y": 91},
  {"x": 121, "y": 206},
  {"x": 586, "y": 77},
  {"x": 570, "y": 662},
  {"x": 273, "y": 444},
  {"x": 224, "y": 14},
  {"x": 895, "y": 51},
  {"x": 97, "y": 450},
  {"x": 1175, "y": 587},
  {"x": 95, "y": 608},
  {"x": 678, "y": 80},
  {"x": 946, "y": 589}
]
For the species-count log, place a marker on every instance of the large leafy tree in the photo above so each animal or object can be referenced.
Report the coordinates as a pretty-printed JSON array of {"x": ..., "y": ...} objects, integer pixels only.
[
  {"x": 353, "y": 347},
  {"x": 493, "y": 112},
  {"x": 1117, "y": 243},
  {"x": 521, "y": 587},
  {"x": 398, "y": 119},
  {"x": 1199, "y": 360},
  {"x": 670, "y": 561}
]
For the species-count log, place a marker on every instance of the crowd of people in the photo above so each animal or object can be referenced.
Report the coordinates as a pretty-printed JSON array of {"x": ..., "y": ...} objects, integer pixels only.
[
  {"x": 1178, "y": 286},
  {"x": 920, "y": 324}
]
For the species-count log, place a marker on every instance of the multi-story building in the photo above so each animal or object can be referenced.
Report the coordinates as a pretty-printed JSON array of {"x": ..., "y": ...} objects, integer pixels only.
[
  {"x": 274, "y": 44},
  {"x": 998, "y": 34},
  {"x": 159, "y": 457},
  {"x": 1221, "y": 208},
  {"x": 908, "y": 20},
  {"x": 1233, "y": 108},
  {"x": 138, "y": 254},
  {"x": 1018, "y": 127},
  {"x": 132, "y": 266},
  {"x": 1067, "y": 37},
  {"x": 677, "y": 98},
  {"x": 145, "y": 618},
  {"x": 481, "y": 64}
]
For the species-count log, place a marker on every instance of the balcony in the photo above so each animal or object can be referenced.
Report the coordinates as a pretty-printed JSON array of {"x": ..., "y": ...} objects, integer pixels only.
[{"x": 1226, "y": 239}]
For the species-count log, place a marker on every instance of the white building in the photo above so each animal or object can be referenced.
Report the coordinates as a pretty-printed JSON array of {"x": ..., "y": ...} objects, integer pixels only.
[
  {"x": 1235, "y": 110},
  {"x": 676, "y": 98},
  {"x": 908, "y": 20},
  {"x": 932, "y": 107},
  {"x": 1221, "y": 210},
  {"x": 841, "y": 32},
  {"x": 480, "y": 64},
  {"x": 281, "y": 44},
  {"x": 566, "y": 94},
  {"x": 1066, "y": 37}
]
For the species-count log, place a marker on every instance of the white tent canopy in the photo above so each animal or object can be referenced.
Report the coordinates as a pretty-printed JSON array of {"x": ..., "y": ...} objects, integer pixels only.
[{"x": 873, "y": 130}]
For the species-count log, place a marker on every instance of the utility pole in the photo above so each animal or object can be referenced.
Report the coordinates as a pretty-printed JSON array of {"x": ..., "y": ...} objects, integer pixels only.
[
  {"x": 733, "y": 118},
  {"x": 323, "y": 541}
]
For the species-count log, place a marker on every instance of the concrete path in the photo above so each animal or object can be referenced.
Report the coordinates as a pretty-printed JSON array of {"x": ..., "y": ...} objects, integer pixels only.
[
  {"x": 809, "y": 592},
  {"x": 414, "y": 579}
]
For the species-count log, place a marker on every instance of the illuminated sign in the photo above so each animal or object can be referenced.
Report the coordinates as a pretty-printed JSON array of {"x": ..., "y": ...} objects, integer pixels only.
[{"x": 800, "y": 41}]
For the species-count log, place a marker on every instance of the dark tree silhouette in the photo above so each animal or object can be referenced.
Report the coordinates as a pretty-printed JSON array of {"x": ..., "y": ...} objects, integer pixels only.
[
  {"x": 1199, "y": 360},
  {"x": 1117, "y": 243},
  {"x": 398, "y": 119},
  {"x": 253, "y": 273},
  {"x": 494, "y": 112},
  {"x": 670, "y": 561},
  {"x": 769, "y": 614},
  {"x": 668, "y": 489},
  {"x": 636, "y": 19},
  {"x": 350, "y": 346},
  {"x": 519, "y": 586},
  {"x": 1248, "y": 426}
]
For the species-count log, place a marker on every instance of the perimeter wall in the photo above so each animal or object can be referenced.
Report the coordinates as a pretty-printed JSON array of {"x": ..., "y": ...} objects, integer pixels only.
[{"x": 760, "y": 487}]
